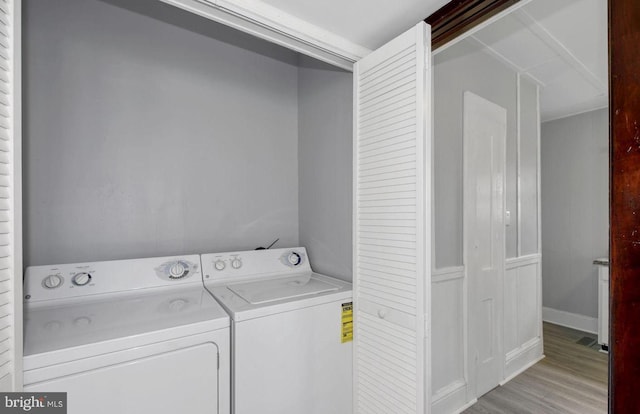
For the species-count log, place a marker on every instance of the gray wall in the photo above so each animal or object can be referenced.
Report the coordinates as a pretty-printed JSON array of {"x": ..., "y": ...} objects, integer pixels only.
[
  {"x": 325, "y": 97},
  {"x": 461, "y": 68},
  {"x": 529, "y": 131},
  {"x": 575, "y": 216},
  {"x": 147, "y": 136}
]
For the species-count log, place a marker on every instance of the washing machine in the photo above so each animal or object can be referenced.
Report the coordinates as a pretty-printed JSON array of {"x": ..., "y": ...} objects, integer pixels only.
[
  {"x": 291, "y": 332},
  {"x": 127, "y": 337}
]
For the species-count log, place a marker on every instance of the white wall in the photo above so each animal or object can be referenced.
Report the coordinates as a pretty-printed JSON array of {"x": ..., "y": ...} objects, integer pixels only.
[
  {"x": 325, "y": 97},
  {"x": 575, "y": 210},
  {"x": 153, "y": 134}
]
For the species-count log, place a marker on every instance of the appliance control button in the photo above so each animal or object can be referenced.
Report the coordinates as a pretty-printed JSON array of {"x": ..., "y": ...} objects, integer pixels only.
[
  {"x": 236, "y": 263},
  {"x": 294, "y": 258},
  {"x": 52, "y": 282},
  {"x": 219, "y": 264},
  {"x": 177, "y": 270},
  {"x": 81, "y": 279}
]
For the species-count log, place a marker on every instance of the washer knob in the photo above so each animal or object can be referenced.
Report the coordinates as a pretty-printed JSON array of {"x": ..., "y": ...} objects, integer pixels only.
[
  {"x": 294, "y": 258},
  {"x": 81, "y": 279},
  {"x": 219, "y": 264},
  {"x": 236, "y": 263},
  {"x": 177, "y": 271},
  {"x": 52, "y": 281}
]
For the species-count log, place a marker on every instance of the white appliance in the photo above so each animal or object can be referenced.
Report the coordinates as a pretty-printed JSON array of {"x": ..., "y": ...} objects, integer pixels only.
[
  {"x": 130, "y": 336},
  {"x": 603, "y": 302},
  {"x": 291, "y": 330}
]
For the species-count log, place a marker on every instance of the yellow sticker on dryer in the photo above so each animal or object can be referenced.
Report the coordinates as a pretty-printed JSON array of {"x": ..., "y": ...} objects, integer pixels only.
[{"x": 347, "y": 322}]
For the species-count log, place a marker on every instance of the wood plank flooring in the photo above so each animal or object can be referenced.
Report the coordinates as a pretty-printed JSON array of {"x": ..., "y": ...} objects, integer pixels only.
[{"x": 571, "y": 379}]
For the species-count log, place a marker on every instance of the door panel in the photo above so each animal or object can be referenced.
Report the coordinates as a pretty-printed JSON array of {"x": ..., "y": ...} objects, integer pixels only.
[
  {"x": 484, "y": 163},
  {"x": 392, "y": 146}
]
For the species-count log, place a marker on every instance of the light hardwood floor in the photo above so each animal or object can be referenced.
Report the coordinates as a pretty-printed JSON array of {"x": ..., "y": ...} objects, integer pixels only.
[{"x": 571, "y": 379}]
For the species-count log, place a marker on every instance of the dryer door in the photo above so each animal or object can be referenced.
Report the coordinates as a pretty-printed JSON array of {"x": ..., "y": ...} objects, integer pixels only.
[{"x": 166, "y": 380}]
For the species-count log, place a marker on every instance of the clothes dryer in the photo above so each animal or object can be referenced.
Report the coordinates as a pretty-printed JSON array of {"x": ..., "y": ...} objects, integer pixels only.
[{"x": 128, "y": 337}]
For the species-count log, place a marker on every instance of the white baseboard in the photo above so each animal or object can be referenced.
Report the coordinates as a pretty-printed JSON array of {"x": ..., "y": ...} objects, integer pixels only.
[
  {"x": 450, "y": 399},
  {"x": 464, "y": 407},
  {"x": 570, "y": 320},
  {"x": 522, "y": 358}
]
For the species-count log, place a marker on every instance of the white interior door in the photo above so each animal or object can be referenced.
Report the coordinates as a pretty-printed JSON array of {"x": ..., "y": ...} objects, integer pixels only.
[
  {"x": 392, "y": 146},
  {"x": 484, "y": 133}
]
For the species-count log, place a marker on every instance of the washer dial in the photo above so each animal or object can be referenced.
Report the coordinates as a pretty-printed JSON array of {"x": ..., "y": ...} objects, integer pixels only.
[
  {"x": 294, "y": 258},
  {"x": 236, "y": 263},
  {"x": 178, "y": 270},
  {"x": 81, "y": 279},
  {"x": 219, "y": 264},
  {"x": 52, "y": 282}
]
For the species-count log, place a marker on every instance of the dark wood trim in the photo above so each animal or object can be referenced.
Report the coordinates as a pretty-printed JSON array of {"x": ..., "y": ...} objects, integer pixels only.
[
  {"x": 458, "y": 16},
  {"x": 624, "y": 112}
]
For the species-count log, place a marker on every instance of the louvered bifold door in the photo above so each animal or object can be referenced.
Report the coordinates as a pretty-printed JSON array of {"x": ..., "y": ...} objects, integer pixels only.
[
  {"x": 10, "y": 216},
  {"x": 392, "y": 152}
]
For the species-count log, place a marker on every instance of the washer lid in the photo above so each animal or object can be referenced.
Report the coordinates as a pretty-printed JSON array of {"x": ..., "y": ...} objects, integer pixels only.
[
  {"x": 279, "y": 295},
  {"x": 265, "y": 291}
]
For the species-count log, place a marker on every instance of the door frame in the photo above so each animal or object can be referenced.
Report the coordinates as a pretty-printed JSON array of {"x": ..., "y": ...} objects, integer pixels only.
[
  {"x": 624, "y": 294},
  {"x": 459, "y": 17}
]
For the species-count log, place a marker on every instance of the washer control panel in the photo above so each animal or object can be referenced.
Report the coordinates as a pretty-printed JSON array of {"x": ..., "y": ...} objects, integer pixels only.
[
  {"x": 230, "y": 261},
  {"x": 173, "y": 270},
  {"x": 68, "y": 281},
  {"x": 219, "y": 267}
]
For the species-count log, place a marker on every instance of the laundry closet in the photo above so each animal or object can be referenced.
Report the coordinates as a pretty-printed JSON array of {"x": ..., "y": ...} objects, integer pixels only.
[{"x": 151, "y": 130}]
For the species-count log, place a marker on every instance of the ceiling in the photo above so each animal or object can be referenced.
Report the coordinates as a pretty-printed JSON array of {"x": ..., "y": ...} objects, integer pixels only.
[
  {"x": 368, "y": 23},
  {"x": 560, "y": 44}
]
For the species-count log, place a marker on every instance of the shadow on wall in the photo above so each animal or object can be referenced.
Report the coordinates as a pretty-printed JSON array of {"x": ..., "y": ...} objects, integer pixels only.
[{"x": 188, "y": 21}]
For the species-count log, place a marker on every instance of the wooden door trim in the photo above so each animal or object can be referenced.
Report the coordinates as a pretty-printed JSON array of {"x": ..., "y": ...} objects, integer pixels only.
[
  {"x": 624, "y": 112},
  {"x": 458, "y": 16}
]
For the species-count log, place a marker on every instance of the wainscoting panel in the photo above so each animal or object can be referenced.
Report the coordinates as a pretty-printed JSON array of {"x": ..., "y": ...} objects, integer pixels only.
[
  {"x": 522, "y": 329},
  {"x": 523, "y": 314},
  {"x": 449, "y": 327}
]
